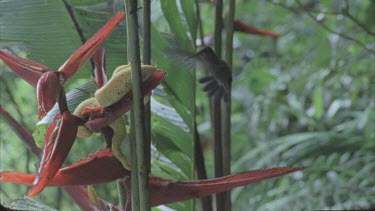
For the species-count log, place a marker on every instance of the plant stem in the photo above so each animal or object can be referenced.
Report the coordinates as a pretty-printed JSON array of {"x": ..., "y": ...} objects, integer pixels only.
[
  {"x": 200, "y": 166},
  {"x": 146, "y": 31},
  {"x": 139, "y": 115},
  {"x": 218, "y": 26},
  {"x": 201, "y": 169},
  {"x": 20, "y": 131},
  {"x": 134, "y": 189},
  {"x": 218, "y": 153},
  {"x": 226, "y": 106},
  {"x": 147, "y": 60},
  {"x": 218, "y": 148},
  {"x": 121, "y": 192},
  {"x": 77, "y": 27},
  {"x": 199, "y": 22}
]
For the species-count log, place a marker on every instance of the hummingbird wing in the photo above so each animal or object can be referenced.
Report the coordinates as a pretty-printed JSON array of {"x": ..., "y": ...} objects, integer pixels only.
[
  {"x": 213, "y": 89},
  {"x": 217, "y": 84}
]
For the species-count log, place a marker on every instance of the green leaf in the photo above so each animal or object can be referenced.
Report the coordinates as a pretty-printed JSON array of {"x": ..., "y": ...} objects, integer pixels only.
[
  {"x": 166, "y": 170},
  {"x": 189, "y": 12},
  {"x": 27, "y": 203},
  {"x": 177, "y": 146},
  {"x": 178, "y": 82},
  {"x": 173, "y": 143},
  {"x": 318, "y": 102},
  {"x": 39, "y": 134},
  {"x": 42, "y": 28},
  {"x": 172, "y": 15}
]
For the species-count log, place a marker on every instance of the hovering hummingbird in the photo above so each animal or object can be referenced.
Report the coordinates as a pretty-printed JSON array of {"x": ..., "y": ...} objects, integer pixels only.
[{"x": 218, "y": 83}]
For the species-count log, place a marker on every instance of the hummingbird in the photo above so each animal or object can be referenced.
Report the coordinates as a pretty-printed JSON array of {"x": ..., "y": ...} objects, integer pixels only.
[{"x": 218, "y": 82}]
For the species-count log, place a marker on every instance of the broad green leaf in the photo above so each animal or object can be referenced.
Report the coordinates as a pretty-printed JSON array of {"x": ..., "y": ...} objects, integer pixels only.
[
  {"x": 166, "y": 170},
  {"x": 42, "y": 28},
  {"x": 168, "y": 113},
  {"x": 173, "y": 143},
  {"x": 172, "y": 15},
  {"x": 178, "y": 82},
  {"x": 176, "y": 145},
  {"x": 190, "y": 16}
]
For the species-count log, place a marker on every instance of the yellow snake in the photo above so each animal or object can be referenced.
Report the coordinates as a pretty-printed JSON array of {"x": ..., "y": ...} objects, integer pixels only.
[{"x": 118, "y": 86}]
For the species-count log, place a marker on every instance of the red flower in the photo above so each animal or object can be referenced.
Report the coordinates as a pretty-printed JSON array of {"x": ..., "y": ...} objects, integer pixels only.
[{"x": 103, "y": 167}]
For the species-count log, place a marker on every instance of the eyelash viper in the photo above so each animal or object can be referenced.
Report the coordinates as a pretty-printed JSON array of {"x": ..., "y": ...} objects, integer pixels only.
[{"x": 118, "y": 86}]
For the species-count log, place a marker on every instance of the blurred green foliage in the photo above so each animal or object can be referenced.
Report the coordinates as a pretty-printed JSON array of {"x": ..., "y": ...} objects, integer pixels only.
[{"x": 304, "y": 99}]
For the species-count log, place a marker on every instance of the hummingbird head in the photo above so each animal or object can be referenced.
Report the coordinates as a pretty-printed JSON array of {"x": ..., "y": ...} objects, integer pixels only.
[{"x": 206, "y": 54}]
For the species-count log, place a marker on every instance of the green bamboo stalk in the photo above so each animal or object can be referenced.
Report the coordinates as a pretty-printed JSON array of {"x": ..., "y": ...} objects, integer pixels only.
[
  {"x": 200, "y": 166},
  {"x": 146, "y": 31},
  {"x": 218, "y": 156},
  {"x": 147, "y": 60},
  {"x": 226, "y": 106},
  {"x": 218, "y": 149},
  {"x": 218, "y": 26},
  {"x": 134, "y": 188},
  {"x": 131, "y": 8}
]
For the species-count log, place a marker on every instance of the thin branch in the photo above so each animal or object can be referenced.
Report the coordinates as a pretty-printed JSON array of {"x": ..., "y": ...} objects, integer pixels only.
[
  {"x": 324, "y": 12},
  {"x": 326, "y": 27},
  {"x": 77, "y": 26},
  {"x": 346, "y": 13},
  {"x": 75, "y": 21},
  {"x": 12, "y": 100},
  {"x": 291, "y": 9},
  {"x": 21, "y": 132}
]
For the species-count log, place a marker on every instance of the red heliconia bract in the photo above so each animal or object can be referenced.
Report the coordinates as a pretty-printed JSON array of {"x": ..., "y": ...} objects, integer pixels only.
[
  {"x": 103, "y": 167},
  {"x": 242, "y": 27},
  {"x": 60, "y": 137},
  {"x": 100, "y": 167},
  {"x": 100, "y": 74},
  {"x": 47, "y": 91},
  {"x": 29, "y": 70}
]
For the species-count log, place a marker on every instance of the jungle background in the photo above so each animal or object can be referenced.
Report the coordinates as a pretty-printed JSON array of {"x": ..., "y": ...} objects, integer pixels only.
[{"x": 304, "y": 99}]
